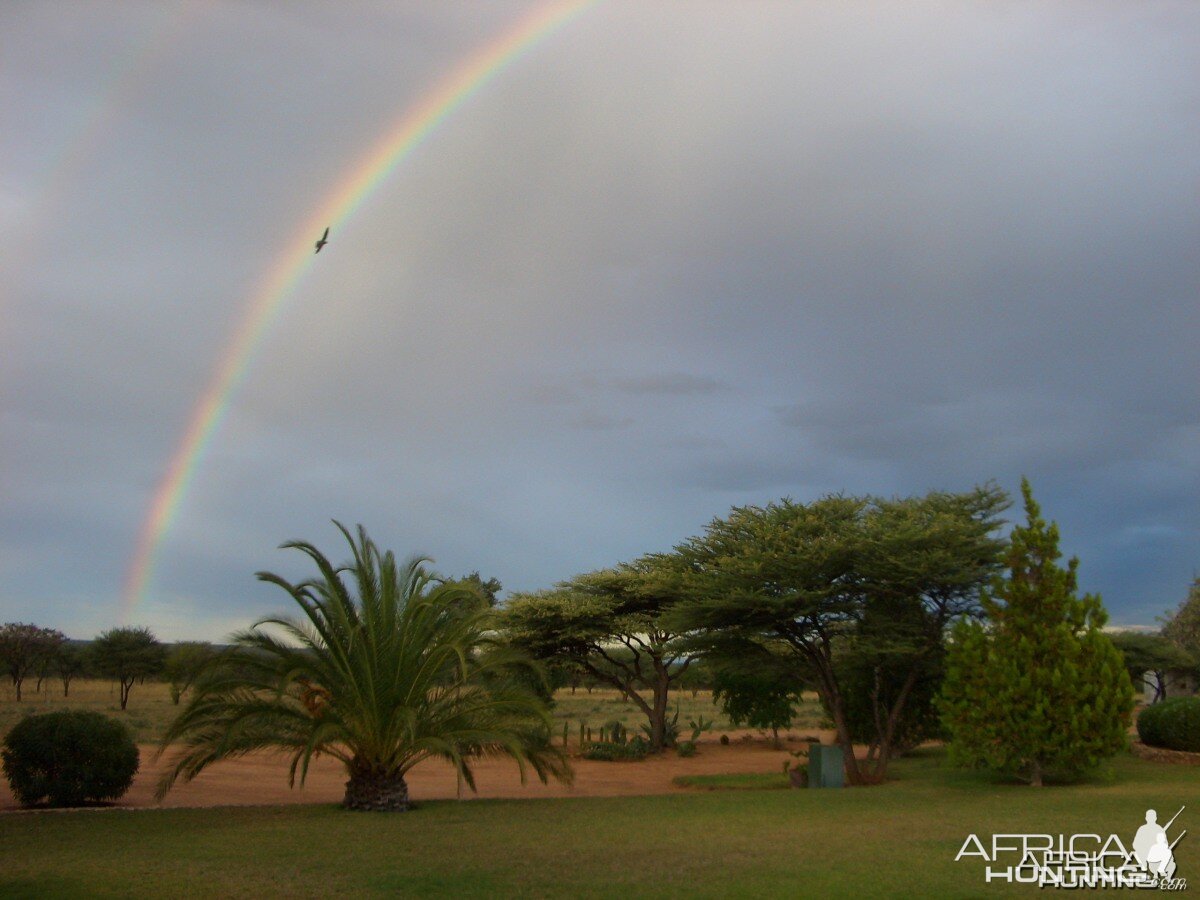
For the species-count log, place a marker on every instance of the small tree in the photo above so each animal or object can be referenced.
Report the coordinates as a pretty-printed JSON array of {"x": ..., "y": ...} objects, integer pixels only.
[
  {"x": 1040, "y": 689},
  {"x": 184, "y": 663},
  {"x": 127, "y": 655},
  {"x": 68, "y": 662},
  {"x": 24, "y": 649},
  {"x": 872, "y": 679},
  {"x": 761, "y": 696}
]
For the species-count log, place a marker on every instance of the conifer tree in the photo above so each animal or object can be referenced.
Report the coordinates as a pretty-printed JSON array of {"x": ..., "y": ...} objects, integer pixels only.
[{"x": 1038, "y": 689}]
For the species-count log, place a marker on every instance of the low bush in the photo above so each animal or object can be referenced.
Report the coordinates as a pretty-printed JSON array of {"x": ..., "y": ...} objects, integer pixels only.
[
  {"x": 609, "y": 751},
  {"x": 69, "y": 758},
  {"x": 1172, "y": 724},
  {"x": 686, "y": 748}
]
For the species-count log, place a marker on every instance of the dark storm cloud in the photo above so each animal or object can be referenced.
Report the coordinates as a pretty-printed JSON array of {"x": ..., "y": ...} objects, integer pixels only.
[{"x": 669, "y": 261}]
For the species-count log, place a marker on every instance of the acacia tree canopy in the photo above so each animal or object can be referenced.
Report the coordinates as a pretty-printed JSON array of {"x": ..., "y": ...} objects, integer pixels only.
[
  {"x": 612, "y": 625},
  {"x": 805, "y": 577},
  {"x": 127, "y": 654},
  {"x": 1151, "y": 655},
  {"x": 25, "y": 648}
]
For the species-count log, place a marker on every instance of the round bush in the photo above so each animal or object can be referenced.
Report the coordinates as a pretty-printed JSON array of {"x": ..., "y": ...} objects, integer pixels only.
[
  {"x": 686, "y": 748},
  {"x": 1173, "y": 724},
  {"x": 69, "y": 758}
]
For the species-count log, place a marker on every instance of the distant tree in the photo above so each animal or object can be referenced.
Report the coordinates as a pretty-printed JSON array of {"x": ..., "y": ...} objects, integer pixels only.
[
  {"x": 68, "y": 662},
  {"x": 24, "y": 648},
  {"x": 52, "y": 642},
  {"x": 1182, "y": 627},
  {"x": 1148, "y": 658},
  {"x": 1040, "y": 689},
  {"x": 127, "y": 655},
  {"x": 184, "y": 663}
]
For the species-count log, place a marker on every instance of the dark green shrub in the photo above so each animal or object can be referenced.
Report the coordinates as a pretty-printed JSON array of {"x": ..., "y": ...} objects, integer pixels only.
[
  {"x": 1173, "y": 724},
  {"x": 725, "y": 739},
  {"x": 608, "y": 751},
  {"x": 69, "y": 758},
  {"x": 686, "y": 748}
]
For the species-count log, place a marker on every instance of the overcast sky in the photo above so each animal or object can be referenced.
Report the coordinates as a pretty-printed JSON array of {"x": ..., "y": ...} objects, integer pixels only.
[{"x": 677, "y": 257}]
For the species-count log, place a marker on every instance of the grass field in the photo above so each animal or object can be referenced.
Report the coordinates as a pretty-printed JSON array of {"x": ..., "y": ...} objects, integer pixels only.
[
  {"x": 150, "y": 708},
  {"x": 898, "y": 840}
]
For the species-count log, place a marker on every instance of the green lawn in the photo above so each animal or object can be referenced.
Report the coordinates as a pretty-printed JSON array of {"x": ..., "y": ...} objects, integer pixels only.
[{"x": 898, "y": 840}]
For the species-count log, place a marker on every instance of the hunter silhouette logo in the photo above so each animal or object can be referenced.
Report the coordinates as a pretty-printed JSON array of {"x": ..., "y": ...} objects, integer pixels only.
[
  {"x": 1082, "y": 860},
  {"x": 1151, "y": 849}
]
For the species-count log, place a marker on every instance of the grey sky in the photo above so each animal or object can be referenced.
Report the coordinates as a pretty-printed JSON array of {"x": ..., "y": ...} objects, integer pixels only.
[{"x": 678, "y": 256}]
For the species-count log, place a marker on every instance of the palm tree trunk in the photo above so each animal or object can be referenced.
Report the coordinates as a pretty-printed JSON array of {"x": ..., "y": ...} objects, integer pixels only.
[{"x": 376, "y": 792}]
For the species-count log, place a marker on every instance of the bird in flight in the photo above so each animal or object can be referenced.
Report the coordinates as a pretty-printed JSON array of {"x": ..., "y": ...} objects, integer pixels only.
[{"x": 323, "y": 241}]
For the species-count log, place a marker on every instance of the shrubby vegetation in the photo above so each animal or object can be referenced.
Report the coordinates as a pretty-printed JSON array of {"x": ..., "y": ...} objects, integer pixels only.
[
  {"x": 69, "y": 758},
  {"x": 1172, "y": 724}
]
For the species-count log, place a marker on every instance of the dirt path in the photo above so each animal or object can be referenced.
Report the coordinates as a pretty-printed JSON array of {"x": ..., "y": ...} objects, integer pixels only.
[{"x": 261, "y": 779}]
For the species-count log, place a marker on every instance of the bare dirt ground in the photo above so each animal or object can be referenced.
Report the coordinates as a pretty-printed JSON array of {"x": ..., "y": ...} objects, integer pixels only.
[{"x": 261, "y": 779}]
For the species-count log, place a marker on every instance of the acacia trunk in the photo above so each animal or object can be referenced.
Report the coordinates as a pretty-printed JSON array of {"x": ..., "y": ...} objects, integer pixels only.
[
  {"x": 658, "y": 721},
  {"x": 371, "y": 791}
]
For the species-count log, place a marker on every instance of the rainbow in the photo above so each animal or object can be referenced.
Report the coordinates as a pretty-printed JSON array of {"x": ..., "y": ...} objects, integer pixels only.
[{"x": 268, "y": 300}]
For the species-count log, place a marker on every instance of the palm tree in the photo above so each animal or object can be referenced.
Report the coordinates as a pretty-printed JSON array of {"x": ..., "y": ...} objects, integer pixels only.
[{"x": 408, "y": 669}]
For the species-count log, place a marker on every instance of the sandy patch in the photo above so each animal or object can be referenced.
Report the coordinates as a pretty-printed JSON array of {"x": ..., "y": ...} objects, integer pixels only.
[{"x": 261, "y": 778}]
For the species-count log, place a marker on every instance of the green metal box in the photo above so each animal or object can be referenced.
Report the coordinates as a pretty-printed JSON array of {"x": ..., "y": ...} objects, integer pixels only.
[{"x": 826, "y": 767}]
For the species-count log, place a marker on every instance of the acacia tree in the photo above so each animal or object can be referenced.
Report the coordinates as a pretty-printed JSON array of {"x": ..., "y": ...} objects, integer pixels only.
[
  {"x": 385, "y": 667},
  {"x": 1039, "y": 689},
  {"x": 805, "y": 577},
  {"x": 52, "y": 644},
  {"x": 127, "y": 655},
  {"x": 1148, "y": 658},
  {"x": 610, "y": 624},
  {"x": 184, "y": 663},
  {"x": 68, "y": 662},
  {"x": 25, "y": 649}
]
